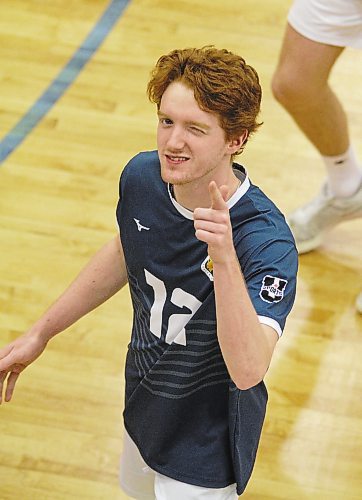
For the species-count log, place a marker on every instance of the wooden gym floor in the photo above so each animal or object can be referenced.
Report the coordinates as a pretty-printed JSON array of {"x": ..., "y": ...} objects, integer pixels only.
[{"x": 62, "y": 434}]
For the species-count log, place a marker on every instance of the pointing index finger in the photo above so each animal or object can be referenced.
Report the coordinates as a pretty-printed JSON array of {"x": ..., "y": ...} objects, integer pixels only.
[{"x": 217, "y": 196}]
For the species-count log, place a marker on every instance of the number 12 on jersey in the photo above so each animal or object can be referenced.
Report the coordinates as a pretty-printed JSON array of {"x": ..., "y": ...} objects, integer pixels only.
[{"x": 176, "y": 322}]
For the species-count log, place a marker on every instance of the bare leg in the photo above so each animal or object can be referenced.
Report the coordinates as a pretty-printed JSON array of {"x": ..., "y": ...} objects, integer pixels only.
[{"x": 300, "y": 84}]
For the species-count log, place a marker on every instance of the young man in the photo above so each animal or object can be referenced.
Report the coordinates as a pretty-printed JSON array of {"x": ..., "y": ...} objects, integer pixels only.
[
  {"x": 316, "y": 34},
  {"x": 211, "y": 266}
]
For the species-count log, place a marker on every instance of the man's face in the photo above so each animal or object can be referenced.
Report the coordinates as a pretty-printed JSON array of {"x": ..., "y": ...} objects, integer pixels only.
[{"x": 191, "y": 143}]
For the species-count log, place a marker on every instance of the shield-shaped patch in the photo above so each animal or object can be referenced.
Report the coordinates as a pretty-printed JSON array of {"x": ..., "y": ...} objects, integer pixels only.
[{"x": 272, "y": 289}]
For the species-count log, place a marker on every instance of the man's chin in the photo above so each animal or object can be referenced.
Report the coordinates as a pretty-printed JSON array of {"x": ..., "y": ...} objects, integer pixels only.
[{"x": 172, "y": 178}]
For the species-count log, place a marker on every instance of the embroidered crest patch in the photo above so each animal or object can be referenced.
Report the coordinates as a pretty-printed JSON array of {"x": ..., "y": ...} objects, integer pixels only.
[
  {"x": 207, "y": 267},
  {"x": 272, "y": 289}
]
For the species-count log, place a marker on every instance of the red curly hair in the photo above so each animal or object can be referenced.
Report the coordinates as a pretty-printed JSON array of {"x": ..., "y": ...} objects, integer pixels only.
[{"x": 222, "y": 83}]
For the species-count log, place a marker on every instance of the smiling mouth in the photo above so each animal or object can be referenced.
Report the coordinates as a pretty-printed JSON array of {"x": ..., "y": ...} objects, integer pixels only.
[{"x": 176, "y": 159}]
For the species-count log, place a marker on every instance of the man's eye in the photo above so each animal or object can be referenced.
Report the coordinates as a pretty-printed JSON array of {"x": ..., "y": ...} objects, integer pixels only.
[
  {"x": 166, "y": 121},
  {"x": 197, "y": 130}
]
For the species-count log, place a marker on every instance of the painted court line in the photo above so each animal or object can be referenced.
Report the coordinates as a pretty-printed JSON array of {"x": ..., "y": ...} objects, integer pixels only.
[{"x": 64, "y": 79}]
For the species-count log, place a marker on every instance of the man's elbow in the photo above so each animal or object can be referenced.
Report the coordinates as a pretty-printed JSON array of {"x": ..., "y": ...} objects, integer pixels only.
[{"x": 249, "y": 380}]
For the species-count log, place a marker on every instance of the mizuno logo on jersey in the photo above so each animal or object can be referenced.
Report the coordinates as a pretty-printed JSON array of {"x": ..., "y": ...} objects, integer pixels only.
[
  {"x": 272, "y": 289},
  {"x": 208, "y": 267},
  {"x": 139, "y": 225}
]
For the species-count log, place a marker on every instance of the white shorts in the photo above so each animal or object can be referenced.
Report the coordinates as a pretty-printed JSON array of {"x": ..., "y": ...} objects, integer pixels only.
[
  {"x": 139, "y": 481},
  {"x": 333, "y": 22}
]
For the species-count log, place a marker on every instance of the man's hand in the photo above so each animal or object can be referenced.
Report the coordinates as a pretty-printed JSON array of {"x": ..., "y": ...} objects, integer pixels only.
[
  {"x": 14, "y": 358},
  {"x": 212, "y": 225}
]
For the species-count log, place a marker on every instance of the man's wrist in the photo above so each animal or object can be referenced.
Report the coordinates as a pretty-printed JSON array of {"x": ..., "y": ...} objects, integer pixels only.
[
  {"x": 41, "y": 332},
  {"x": 228, "y": 265}
]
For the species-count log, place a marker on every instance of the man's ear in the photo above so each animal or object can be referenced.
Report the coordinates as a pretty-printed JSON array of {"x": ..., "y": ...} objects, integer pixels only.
[{"x": 236, "y": 144}]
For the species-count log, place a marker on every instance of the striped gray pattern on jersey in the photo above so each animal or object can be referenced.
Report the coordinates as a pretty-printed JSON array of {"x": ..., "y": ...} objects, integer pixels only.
[
  {"x": 173, "y": 370},
  {"x": 184, "y": 370}
]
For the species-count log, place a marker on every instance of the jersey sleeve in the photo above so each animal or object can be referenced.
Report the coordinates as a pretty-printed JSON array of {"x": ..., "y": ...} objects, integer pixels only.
[
  {"x": 123, "y": 179},
  {"x": 124, "y": 187},
  {"x": 271, "y": 274}
]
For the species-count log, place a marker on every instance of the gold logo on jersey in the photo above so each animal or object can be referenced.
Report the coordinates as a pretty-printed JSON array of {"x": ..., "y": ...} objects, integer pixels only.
[{"x": 208, "y": 267}]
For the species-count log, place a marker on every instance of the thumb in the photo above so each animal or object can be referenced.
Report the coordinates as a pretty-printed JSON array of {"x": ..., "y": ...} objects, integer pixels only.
[
  {"x": 218, "y": 196},
  {"x": 6, "y": 358},
  {"x": 224, "y": 190}
]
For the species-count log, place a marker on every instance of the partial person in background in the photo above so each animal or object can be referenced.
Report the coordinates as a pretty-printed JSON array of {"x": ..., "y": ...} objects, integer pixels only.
[{"x": 316, "y": 34}]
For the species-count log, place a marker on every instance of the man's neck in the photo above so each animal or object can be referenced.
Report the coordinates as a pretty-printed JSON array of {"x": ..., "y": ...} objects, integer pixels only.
[{"x": 196, "y": 194}]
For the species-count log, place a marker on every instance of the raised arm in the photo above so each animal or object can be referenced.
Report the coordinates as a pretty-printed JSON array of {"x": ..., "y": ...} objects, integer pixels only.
[
  {"x": 103, "y": 276},
  {"x": 246, "y": 345}
]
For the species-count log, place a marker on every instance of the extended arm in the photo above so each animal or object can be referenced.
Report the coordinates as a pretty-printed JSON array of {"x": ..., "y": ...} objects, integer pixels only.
[
  {"x": 247, "y": 345},
  {"x": 103, "y": 276}
]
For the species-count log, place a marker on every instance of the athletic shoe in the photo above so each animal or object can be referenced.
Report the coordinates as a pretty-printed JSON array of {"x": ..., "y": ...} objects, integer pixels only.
[
  {"x": 359, "y": 303},
  {"x": 308, "y": 223}
]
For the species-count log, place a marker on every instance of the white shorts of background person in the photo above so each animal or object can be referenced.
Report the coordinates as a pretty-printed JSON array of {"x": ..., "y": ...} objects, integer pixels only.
[
  {"x": 333, "y": 22},
  {"x": 142, "y": 483}
]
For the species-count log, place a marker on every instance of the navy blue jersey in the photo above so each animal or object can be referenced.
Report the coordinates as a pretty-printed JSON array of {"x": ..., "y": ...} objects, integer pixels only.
[{"x": 187, "y": 417}]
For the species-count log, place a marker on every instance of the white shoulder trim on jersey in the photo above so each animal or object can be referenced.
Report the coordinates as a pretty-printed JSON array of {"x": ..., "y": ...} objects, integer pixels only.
[
  {"x": 271, "y": 322},
  {"x": 239, "y": 193},
  {"x": 183, "y": 211}
]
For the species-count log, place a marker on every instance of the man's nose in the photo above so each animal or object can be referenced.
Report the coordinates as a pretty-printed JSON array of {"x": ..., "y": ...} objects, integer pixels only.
[{"x": 176, "y": 139}]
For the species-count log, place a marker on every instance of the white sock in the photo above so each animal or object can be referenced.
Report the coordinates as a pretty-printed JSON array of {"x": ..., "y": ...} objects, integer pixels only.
[{"x": 344, "y": 173}]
